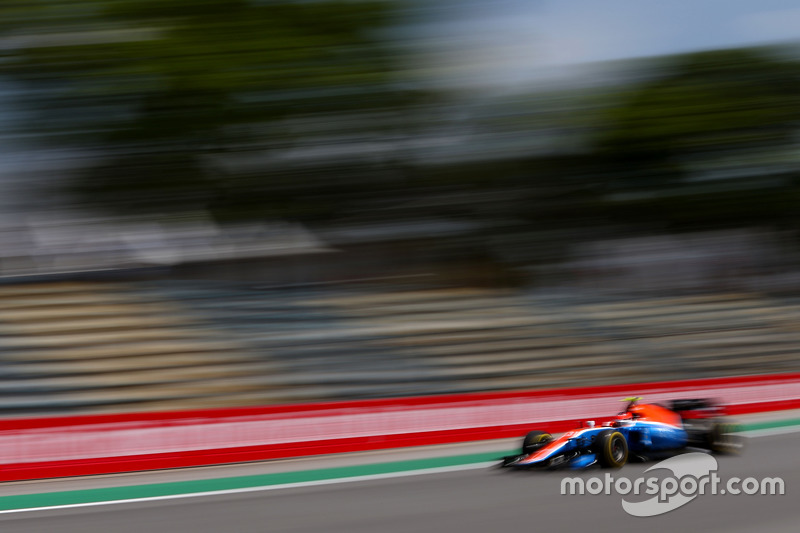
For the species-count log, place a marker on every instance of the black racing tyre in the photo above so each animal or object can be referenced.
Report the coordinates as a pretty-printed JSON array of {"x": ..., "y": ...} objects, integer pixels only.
[
  {"x": 723, "y": 440},
  {"x": 611, "y": 449},
  {"x": 535, "y": 440}
]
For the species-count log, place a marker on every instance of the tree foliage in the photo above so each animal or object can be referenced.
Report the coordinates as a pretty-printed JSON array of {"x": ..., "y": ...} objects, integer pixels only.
[
  {"x": 163, "y": 92},
  {"x": 258, "y": 108},
  {"x": 709, "y": 115}
]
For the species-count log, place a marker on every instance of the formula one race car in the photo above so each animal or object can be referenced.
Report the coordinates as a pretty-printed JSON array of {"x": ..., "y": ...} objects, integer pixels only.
[{"x": 640, "y": 432}]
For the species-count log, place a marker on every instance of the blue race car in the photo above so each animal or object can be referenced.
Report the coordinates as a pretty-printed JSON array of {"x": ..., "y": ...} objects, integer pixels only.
[{"x": 640, "y": 432}]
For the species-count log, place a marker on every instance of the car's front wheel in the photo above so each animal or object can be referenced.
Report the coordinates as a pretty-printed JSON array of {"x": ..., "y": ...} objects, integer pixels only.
[
  {"x": 612, "y": 449},
  {"x": 535, "y": 440}
]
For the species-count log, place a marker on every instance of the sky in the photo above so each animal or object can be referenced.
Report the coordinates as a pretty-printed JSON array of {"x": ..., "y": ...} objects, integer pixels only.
[{"x": 513, "y": 41}]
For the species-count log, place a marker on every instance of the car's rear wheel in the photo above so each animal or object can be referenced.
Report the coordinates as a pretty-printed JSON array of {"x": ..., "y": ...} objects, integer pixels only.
[
  {"x": 535, "y": 440},
  {"x": 722, "y": 439},
  {"x": 612, "y": 449}
]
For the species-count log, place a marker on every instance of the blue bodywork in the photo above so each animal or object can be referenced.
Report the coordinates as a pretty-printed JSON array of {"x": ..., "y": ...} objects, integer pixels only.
[{"x": 578, "y": 448}]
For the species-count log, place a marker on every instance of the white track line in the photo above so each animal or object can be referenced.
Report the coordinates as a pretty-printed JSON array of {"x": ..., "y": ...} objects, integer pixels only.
[{"x": 353, "y": 479}]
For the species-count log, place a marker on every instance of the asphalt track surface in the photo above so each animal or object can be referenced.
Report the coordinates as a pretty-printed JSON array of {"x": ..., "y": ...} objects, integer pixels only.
[{"x": 481, "y": 499}]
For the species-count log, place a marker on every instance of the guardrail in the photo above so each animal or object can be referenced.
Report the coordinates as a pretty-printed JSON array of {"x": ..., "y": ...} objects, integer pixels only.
[{"x": 84, "y": 445}]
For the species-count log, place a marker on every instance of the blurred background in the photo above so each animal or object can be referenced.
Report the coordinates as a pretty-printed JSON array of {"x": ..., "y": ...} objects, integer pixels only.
[{"x": 241, "y": 202}]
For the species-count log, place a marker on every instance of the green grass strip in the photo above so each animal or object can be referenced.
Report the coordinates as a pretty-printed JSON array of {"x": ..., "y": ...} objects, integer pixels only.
[
  {"x": 50, "y": 499},
  {"x": 755, "y": 426}
]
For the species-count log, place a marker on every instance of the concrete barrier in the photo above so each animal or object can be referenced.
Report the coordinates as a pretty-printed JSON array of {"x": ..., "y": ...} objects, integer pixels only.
[{"x": 84, "y": 445}]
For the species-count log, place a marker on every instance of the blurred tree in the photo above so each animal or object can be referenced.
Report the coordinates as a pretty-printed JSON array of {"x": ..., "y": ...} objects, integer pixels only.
[
  {"x": 188, "y": 104},
  {"x": 712, "y": 141}
]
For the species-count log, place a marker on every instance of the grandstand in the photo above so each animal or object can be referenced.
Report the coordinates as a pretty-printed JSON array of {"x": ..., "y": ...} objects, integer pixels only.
[{"x": 69, "y": 347}]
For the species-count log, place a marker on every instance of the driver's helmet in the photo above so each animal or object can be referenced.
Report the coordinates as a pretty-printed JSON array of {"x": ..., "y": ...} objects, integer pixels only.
[{"x": 622, "y": 419}]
